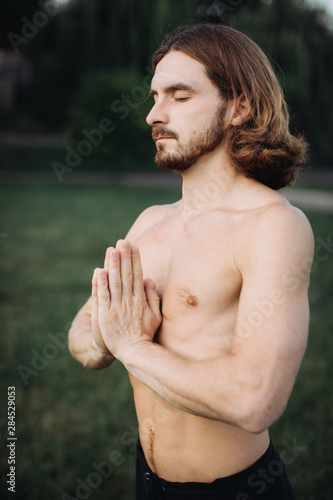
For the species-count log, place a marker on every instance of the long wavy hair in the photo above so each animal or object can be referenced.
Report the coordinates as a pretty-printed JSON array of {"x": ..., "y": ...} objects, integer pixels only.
[{"x": 262, "y": 147}]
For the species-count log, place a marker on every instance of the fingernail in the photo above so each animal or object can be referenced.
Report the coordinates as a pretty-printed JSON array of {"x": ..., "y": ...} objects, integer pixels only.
[
  {"x": 115, "y": 254},
  {"x": 126, "y": 245},
  {"x": 135, "y": 250},
  {"x": 102, "y": 274}
]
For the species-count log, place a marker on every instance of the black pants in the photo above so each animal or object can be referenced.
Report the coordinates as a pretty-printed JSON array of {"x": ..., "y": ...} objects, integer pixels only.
[{"x": 266, "y": 479}]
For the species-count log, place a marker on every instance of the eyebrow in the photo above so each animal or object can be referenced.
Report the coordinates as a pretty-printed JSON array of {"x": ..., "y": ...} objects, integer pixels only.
[{"x": 173, "y": 88}]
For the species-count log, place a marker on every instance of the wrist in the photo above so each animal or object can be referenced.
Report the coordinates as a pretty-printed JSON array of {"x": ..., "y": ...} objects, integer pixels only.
[
  {"x": 129, "y": 353},
  {"x": 100, "y": 356}
]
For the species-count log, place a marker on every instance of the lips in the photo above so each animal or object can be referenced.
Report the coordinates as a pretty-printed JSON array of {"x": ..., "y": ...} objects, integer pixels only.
[{"x": 159, "y": 133}]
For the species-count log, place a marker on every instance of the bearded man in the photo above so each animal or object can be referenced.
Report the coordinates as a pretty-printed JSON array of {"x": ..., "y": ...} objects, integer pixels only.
[{"x": 206, "y": 304}]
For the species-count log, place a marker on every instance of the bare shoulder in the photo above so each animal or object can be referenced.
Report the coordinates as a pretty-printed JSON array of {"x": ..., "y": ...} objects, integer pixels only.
[
  {"x": 280, "y": 231},
  {"x": 148, "y": 218},
  {"x": 285, "y": 221}
]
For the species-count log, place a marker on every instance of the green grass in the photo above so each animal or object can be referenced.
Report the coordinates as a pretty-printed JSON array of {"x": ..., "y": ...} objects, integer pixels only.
[
  {"x": 21, "y": 158},
  {"x": 69, "y": 418}
]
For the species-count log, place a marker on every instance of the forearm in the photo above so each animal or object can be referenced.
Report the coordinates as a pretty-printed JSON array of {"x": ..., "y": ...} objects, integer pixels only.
[
  {"x": 82, "y": 346},
  {"x": 217, "y": 388}
]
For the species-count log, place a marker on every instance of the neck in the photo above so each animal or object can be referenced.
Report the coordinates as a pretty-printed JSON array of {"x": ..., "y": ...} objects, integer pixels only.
[{"x": 209, "y": 184}]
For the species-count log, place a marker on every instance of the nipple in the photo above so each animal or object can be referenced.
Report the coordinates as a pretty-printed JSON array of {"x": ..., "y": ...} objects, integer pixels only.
[{"x": 191, "y": 300}]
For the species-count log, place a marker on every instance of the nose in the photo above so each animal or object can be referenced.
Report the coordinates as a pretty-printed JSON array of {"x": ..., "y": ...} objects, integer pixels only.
[{"x": 157, "y": 115}]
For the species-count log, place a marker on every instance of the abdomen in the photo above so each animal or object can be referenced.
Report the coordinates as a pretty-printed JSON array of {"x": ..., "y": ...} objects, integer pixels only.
[{"x": 182, "y": 447}]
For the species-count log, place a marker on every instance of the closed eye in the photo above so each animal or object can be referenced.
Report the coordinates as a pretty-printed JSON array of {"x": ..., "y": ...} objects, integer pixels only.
[{"x": 181, "y": 99}]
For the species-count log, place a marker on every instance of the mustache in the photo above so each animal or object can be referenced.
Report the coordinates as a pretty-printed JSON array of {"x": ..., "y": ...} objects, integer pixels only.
[{"x": 159, "y": 131}]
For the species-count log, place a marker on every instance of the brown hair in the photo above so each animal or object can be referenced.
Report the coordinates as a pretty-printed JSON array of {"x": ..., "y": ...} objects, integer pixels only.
[{"x": 262, "y": 147}]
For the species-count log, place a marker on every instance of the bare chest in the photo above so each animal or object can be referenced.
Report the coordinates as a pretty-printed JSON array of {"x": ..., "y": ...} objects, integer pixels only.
[{"x": 193, "y": 265}]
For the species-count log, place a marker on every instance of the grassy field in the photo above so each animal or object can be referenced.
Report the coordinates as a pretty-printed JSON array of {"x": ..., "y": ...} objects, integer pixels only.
[
  {"x": 40, "y": 159},
  {"x": 74, "y": 426}
]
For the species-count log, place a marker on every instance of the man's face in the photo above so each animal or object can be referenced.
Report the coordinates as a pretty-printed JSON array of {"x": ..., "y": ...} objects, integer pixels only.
[{"x": 188, "y": 116}]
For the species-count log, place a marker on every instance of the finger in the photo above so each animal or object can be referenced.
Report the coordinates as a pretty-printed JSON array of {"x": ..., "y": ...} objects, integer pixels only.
[
  {"x": 126, "y": 269},
  {"x": 119, "y": 243},
  {"x": 94, "y": 283},
  {"x": 138, "y": 287},
  {"x": 94, "y": 301},
  {"x": 152, "y": 297},
  {"x": 107, "y": 258},
  {"x": 114, "y": 276},
  {"x": 103, "y": 293},
  {"x": 146, "y": 282}
]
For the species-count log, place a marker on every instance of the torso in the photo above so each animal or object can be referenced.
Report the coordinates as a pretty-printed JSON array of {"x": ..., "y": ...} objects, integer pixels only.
[{"x": 194, "y": 265}]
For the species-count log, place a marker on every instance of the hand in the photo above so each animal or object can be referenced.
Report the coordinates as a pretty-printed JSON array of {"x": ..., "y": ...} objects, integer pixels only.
[
  {"x": 128, "y": 307},
  {"x": 97, "y": 339}
]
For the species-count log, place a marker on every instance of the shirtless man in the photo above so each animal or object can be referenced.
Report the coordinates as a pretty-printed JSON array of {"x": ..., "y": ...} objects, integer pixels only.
[{"x": 205, "y": 301}]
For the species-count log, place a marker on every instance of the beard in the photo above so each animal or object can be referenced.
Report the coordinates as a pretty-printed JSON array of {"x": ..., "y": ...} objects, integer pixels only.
[{"x": 204, "y": 142}]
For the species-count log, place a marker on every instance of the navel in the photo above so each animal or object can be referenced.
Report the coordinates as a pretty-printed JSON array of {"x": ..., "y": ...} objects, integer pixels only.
[{"x": 191, "y": 300}]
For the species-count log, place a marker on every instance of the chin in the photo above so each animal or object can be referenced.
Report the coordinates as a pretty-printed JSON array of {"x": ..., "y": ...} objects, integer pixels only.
[{"x": 172, "y": 165}]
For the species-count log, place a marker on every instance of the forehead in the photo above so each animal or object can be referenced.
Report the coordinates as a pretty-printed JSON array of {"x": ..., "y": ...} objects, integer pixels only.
[{"x": 179, "y": 67}]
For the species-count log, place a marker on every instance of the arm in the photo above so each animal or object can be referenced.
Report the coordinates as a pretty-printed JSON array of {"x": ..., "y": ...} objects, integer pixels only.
[
  {"x": 85, "y": 341},
  {"x": 82, "y": 344},
  {"x": 249, "y": 387}
]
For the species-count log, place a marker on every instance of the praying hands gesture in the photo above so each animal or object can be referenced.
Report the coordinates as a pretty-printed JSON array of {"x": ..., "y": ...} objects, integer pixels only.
[{"x": 125, "y": 308}]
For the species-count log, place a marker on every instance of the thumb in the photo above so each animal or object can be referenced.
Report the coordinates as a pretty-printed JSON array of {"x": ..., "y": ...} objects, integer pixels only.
[
  {"x": 152, "y": 296},
  {"x": 103, "y": 294}
]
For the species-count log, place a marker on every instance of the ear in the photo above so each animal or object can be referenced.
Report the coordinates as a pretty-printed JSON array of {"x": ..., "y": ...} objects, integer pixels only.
[{"x": 242, "y": 111}]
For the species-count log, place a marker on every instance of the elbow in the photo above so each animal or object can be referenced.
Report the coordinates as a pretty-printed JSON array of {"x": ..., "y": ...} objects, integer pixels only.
[
  {"x": 75, "y": 349},
  {"x": 260, "y": 413},
  {"x": 256, "y": 424},
  {"x": 70, "y": 343}
]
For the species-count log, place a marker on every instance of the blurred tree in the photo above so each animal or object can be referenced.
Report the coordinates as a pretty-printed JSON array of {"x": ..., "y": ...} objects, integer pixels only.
[
  {"x": 299, "y": 42},
  {"x": 118, "y": 98},
  {"x": 89, "y": 36},
  {"x": 11, "y": 13}
]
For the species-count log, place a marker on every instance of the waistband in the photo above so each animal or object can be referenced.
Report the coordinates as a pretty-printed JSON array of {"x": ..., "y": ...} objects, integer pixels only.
[{"x": 225, "y": 484}]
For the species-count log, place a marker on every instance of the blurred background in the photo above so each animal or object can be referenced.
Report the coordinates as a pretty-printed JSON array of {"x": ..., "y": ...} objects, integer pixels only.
[
  {"x": 66, "y": 66},
  {"x": 76, "y": 169}
]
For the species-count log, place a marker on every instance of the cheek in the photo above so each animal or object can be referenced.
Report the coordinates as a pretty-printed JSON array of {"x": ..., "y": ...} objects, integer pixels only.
[{"x": 190, "y": 122}]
